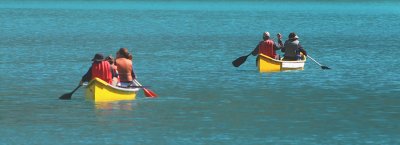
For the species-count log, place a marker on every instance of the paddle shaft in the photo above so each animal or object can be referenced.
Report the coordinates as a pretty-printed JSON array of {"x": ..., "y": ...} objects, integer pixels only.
[
  {"x": 322, "y": 66},
  {"x": 239, "y": 61},
  {"x": 135, "y": 87},
  {"x": 137, "y": 83},
  {"x": 147, "y": 92},
  {"x": 313, "y": 60},
  {"x": 68, "y": 96},
  {"x": 248, "y": 54},
  {"x": 76, "y": 89}
]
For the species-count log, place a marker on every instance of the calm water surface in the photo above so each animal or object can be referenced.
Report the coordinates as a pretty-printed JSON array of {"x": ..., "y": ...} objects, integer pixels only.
[{"x": 184, "y": 50}]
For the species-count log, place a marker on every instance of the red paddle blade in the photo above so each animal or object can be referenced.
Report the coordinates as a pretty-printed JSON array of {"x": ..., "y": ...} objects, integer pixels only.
[{"x": 149, "y": 93}]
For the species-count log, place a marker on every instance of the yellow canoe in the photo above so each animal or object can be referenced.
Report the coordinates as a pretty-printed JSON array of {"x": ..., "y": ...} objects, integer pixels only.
[
  {"x": 100, "y": 91},
  {"x": 268, "y": 64}
]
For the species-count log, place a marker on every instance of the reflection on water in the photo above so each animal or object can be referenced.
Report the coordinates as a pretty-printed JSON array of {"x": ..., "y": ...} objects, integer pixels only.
[{"x": 114, "y": 105}]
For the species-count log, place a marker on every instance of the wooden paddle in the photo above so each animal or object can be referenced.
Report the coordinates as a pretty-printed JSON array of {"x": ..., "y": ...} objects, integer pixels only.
[
  {"x": 239, "y": 61},
  {"x": 322, "y": 66},
  {"x": 146, "y": 91},
  {"x": 67, "y": 96}
]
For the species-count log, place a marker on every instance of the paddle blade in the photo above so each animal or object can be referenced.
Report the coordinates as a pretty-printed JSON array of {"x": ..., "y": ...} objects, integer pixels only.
[
  {"x": 325, "y": 67},
  {"x": 149, "y": 93},
  {"x": 239, "y": 61},
  {"x": 66, "y": 96}
]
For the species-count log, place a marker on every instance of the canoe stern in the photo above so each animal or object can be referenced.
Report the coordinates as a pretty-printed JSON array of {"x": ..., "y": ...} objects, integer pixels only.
[
  {"x": 268, "y": 64},
  {"x": 99, "y": 90}
]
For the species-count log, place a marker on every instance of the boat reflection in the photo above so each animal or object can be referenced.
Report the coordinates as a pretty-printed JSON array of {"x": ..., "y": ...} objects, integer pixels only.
[{"x": 114, "y": 105}]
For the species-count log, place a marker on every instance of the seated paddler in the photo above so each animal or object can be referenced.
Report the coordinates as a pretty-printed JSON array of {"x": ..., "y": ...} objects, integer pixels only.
[
  {"x": 123, "y": 62},
  {"x": 268, "y": 47},
  {"x": 292, "y": 48},
  {"x": 101, "y": 69}
]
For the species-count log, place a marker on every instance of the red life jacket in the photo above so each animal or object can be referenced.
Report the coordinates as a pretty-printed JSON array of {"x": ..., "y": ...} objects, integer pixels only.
[
  {"x": 102, "y": 71},
  {"x": 267, "y": 48}
]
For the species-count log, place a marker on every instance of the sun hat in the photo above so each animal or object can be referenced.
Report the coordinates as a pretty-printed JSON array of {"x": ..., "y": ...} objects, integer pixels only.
[
  {"x": 293, "y": 36},
  {"x": 266, "y": 34},
  {"x": 98, "y": 57}
]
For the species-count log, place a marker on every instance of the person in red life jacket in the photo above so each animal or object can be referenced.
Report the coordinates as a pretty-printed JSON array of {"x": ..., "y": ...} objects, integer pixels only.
[
  {"x": 125, "y": 68},
  {"x": 100, "y": 69},
  {"x": 111, "y": 60},
  {"x": 268, "y": 47},
  {"x": 292, "y": 48}
]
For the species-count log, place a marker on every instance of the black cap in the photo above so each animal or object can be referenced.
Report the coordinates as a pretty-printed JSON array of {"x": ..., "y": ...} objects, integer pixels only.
[
  {"x": 293, "y": 36},
  {"x": 98, "y": 57}
]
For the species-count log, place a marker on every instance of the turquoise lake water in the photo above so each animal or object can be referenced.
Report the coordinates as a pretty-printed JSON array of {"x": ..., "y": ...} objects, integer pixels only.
[{"x": 184, "y": 50}]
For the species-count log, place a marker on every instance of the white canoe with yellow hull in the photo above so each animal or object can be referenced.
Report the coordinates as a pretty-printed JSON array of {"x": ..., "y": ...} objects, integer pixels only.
[
  {"x": 268, "y": 64},
  {"x": 100, "y": 91}
]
